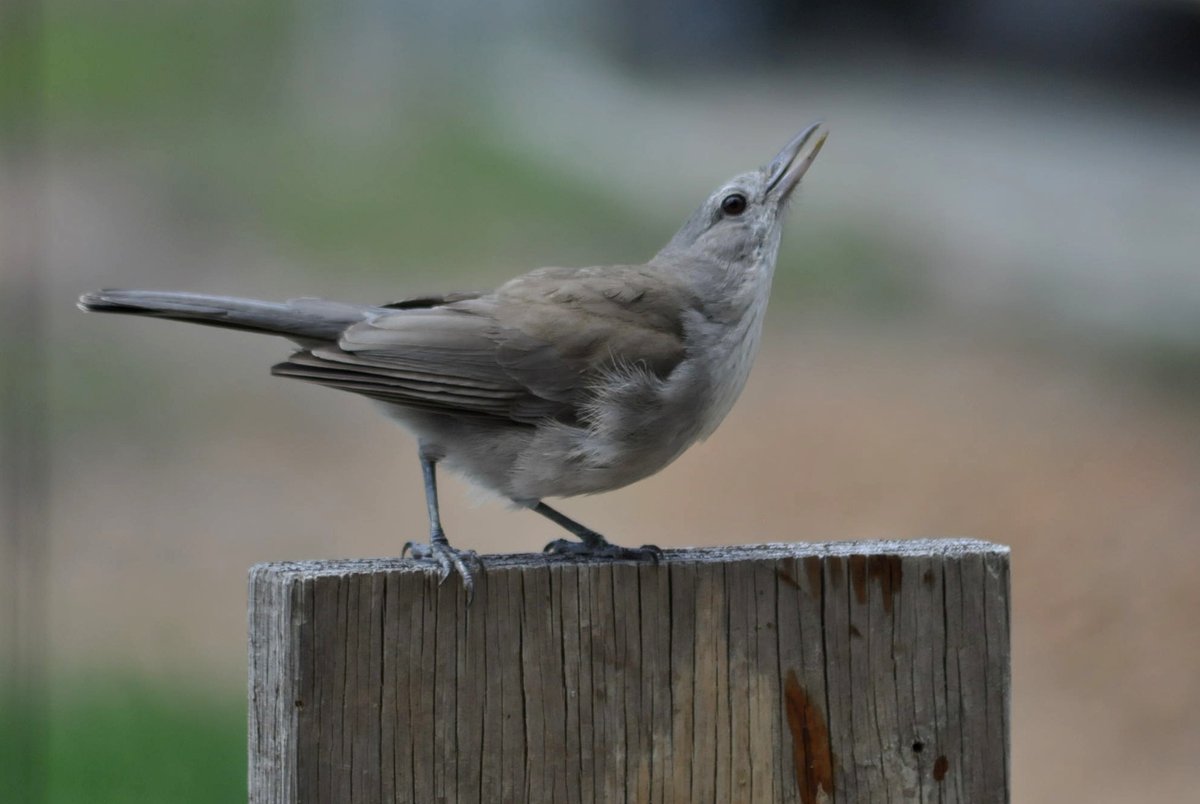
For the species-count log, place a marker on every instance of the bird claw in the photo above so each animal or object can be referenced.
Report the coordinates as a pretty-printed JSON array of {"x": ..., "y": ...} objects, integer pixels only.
[
  {"x": 603, "y": 549},
  {"x": 448, "y": 559}
]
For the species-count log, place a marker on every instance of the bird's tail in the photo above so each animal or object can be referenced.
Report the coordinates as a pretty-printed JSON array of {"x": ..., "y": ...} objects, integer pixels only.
[{"x": 299, "y": 319}]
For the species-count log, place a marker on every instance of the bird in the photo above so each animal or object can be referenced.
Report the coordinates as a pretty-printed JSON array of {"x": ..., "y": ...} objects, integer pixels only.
[{"x": 561, "y": 381}]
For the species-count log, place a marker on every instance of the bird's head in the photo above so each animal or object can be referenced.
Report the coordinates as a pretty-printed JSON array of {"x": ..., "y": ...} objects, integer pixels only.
[{"x": 740, "y": 223}]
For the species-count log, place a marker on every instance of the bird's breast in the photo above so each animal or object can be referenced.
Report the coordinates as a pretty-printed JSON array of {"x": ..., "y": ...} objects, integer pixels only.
[
  {"x": 723, "y": 357},
  {"x": 637, "y": 422}
]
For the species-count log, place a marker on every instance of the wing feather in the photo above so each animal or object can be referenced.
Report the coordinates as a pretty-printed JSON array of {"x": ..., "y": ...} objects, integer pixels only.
[{"x": 526, "y": 353}]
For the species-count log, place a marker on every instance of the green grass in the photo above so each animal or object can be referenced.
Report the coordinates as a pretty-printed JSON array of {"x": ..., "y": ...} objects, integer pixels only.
[
  {"x": 194, "y": 92},
  {"x": 445, "y": 199},
  {"x": 122, "y": 739},
  {"x": 124, "y": 66}
]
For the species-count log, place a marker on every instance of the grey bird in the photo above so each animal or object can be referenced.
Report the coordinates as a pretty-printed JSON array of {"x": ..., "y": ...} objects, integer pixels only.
[{"x": 562, "y": 381}]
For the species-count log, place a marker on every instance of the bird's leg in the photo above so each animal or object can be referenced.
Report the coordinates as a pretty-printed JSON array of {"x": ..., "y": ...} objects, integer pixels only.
[
  {"x": 448, "y": 558},
  {"x": 591, "y": 543}
]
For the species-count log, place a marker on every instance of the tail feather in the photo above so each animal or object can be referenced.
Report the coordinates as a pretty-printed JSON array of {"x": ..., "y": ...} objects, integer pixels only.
[{"x": 302, "y": 320}]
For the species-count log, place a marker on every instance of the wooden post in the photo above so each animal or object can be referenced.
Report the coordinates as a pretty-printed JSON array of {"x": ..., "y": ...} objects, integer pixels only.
[{"x": 849, "y": 672}]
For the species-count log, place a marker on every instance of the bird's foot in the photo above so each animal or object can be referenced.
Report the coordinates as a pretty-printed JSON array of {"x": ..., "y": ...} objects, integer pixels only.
[
  {"x": 448, "y": 559},
  {"x": 603, "y": 549}
]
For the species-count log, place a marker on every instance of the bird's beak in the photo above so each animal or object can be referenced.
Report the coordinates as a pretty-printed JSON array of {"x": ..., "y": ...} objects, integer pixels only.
[{"x": 786, "y": 169}]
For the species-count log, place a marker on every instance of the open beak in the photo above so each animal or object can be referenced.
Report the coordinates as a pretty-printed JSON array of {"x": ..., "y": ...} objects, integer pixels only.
[{"x": 786, "y": 169}]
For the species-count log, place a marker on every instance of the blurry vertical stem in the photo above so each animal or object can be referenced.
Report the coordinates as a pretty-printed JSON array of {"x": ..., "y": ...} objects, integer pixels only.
[{"x": 23, "y": 444}]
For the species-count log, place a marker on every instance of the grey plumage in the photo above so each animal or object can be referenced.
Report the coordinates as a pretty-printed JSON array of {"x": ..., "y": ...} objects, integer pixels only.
[
  {"x": 302, "y": 320},
  {"x": 562, "y": 381}
]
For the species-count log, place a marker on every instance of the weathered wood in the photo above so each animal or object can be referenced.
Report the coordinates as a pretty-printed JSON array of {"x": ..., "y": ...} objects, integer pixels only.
[{"x": 851, "y": 672}]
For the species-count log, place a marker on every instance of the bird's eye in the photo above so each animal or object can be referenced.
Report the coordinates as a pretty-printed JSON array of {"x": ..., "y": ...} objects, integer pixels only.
[{"x": 734, "y": 204}]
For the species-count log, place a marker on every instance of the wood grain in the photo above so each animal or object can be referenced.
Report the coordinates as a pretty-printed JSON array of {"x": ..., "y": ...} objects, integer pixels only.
[{"x": 839, "y": 672}]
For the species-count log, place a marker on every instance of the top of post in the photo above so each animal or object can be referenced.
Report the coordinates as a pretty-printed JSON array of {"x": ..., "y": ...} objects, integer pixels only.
[{"x": 908, "y": 548}]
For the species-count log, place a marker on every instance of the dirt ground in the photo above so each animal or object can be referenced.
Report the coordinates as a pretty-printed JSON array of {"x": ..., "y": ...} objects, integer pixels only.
[{"x": 844, "y": 432}]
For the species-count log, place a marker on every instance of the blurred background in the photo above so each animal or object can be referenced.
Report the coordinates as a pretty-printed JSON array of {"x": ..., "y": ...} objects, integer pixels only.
[{"x": 986, "y": 323}]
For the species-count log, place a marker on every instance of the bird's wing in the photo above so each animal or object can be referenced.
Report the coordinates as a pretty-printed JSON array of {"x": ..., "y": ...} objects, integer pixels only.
[
  {"x": 526, "y": 353},
  {"x": 438, "y": 359}
]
